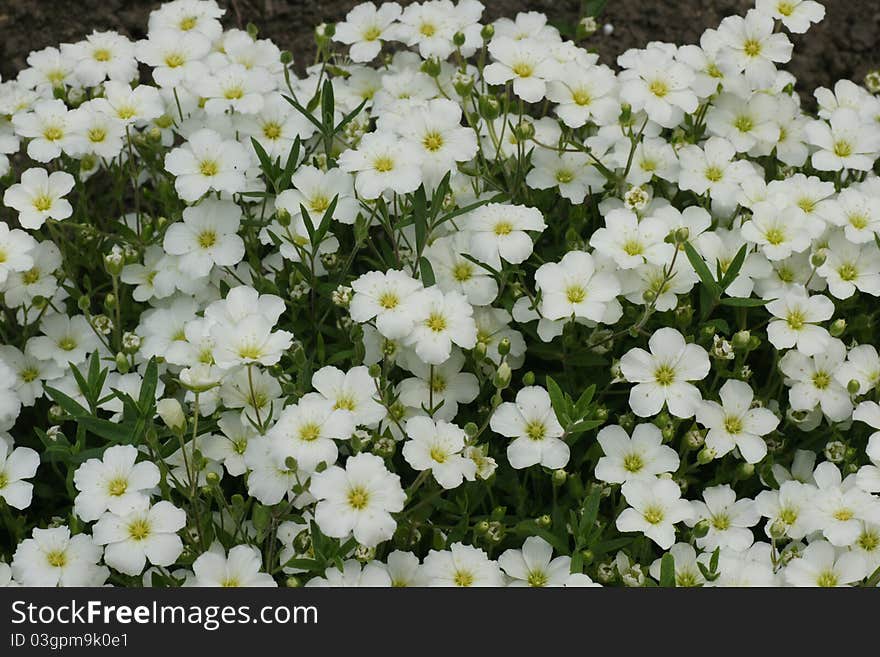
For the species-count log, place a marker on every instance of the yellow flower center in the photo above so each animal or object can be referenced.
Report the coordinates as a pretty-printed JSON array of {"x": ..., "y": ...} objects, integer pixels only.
[
  {"x": 713, "y": 174},
  {"x": 653, "y": 514},
  {"x": 207, "y": 239},
  {"x": 821, "y": 380},
  {"x": 117, "y": 487},
  {"x": 383, "y": 164},
  {"x": 843, "y": 148},
  {"x": 272, "y": 130},
  {"x": 523, "y": 69},
  {"x": 96, "y": 135},
  {"x": 188, "y": 23},
  {"x": 139, "y": 530},
  {"x": 208, "y": 168},
  {"x": 463, "y": 271},
  {"x": 433, "y": 141},
  {"x": 174, "y": 60},
  {"x": 53, "y": 133},
  {"x": 42, "y": 203},
  {"x": 536, "y": 431},
  {"x": 633, "y": 463},
  {"x": 463, "y": 578},
  {"x": 581, "y": 97},
  {"x": 57, "y": 558},
  {"x": 575, "y": 294},
  {"x": 659, "y": 88},
  {"x": 827, "y": 579},
  {"x": 721, "y": 522},
  {"x": 371, "y": 33},
  {"x": 733, "y": 424},
  {"x": 358, "y": 498},
  {"x": 847, "y": 272},
  {"x": 664, "y": 375},
  {"x": 438, "y": 455},
  {"x": 436, "y": 322},
  {"x": 388, "y": 300},
  {"x": 775, "y": 236},
  {"x": 752, "y": 47},
  {"x": 537, "y": 578},
  {"x": 102, "y": 55},
  {"x": 233, "y": 93},
  {"x": 309, "y": 432}
]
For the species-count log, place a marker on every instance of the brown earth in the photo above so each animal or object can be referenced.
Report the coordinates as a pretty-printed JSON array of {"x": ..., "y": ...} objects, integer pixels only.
[{"x": 845, "y": 45}]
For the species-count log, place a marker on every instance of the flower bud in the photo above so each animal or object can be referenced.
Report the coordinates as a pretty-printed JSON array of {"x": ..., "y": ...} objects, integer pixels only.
[
  {"x": 694, "y": 439},
  {"x": 502, "y": 376},
  {"x": 838, "y": 326},
  {"x": 544, "y": 521},
  {"x": 131, "y": 342},
  {"x": 682, "y": 234},
  {"x": 431, "y": 67},
  {"x": 741, "y": 340},
  {"x": 471, "y": 429},
  {"x": 559, "y": 477},
  {"x": 84, "y": 303},
  {"x": 504, "y": 346},
  {"x": 384, "y": 447},
  {"x": 481, "y": 527},
  {"x": 705, "y": 455},
  {"x": 853, "y": 387},
  {"x": 293, "y": 582},
  {"x": 170, "y": 411},
  {"x": 701, "y": 528},
  {"x": 212, "y": 478},
  {"x": 528, "y": 378},
  {"x": 818, "y": 258},
  {"x": 745, "y": 470},
  {"x": 524, "y": 131},
  {"x": 458, "y": 39},
  {"x": 122, "y": 363},
  {"x": 282, "y": 216},
  {"x": 286, "y": 57},
  {"x": 777, "y": 529},
  {"x": 835, "y": 451},
  {"x": 487, "y": 32}
]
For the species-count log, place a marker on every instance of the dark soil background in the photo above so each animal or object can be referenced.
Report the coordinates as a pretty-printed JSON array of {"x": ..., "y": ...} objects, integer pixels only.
[{"x": 845, "y": 45}]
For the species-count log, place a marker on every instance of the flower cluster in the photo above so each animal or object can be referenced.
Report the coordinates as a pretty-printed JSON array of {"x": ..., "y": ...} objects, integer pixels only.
[{"x": 460, "y": 306}]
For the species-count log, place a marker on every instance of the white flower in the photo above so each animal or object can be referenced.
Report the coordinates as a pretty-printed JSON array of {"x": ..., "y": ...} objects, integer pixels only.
[
  {"x": 627, "y": 458},
  {"x": 631, "y": 242},
  {"x": 661, "y": 375},
  {"x": 234, "y": 88},
  {"x": 537, "y": 433},
  {"x": 439, "y": 321},
  {"x": 687, "y": 571},
  {"x": 454, "y": 271},
  {"x": 849, "y": 267},
  {"x": 437, "y": 446},
  {"x": 114, "y": 482},
  {"x": 839, "y": 506},
  {"x": 353, "y": 575},
  {"x": 206, "y": 237},
  {"x": 358, "y": 500},
  {"x": 655, "y": 506},
  {"x": 712, "y": 169},
  {"x": 862, "y": 365},
  {"x": 146, "y": 533},
  {"x": 572, "y": 173},
  {"x": 365, "y": 27},
  {"x": 353, "y": 391},
  {"x": 798, "y": 315},
  {"x": 16, "y": 251},
  {"x": 779, "y": 232},
  {"x": 729, "y": 519},
  {"x": 583, "y": 94},
  {"x": 858, "y": 214},
  {"x": 534, "y": 565},
  {"x": 821, "y": 564},
  {"x": 787, "y": 506},
  {"x": 660, "y": 86},
  {"x": 796, "y": 15},
  {"x": 526, "y": 62},
  {"x": 55, "y": 558},
  {"x": 813, "y": 382},
  {"x": 868, "y": 476},
  {"x": 240, "y": 568},
  {"x": 48, "y": 128},
  {"x": 435, "y": 133},
  {"x": 176, "y": 57},
  {"x": 461, "y": 566},
  {"x": 751, "y": 46},
  {"x": 389, "y": 298},
  {"x": 573, "y": 288},
  {"x": 439, "y": 387},
  {"x": 845, "y": 142},
  {"x": 16, "y": 465},
  {"x": 382, "y": 163},
  {"x": 734, "y": 423},
  {"x": 498, "y": 232},
  {"x": 40, "y": 196},
  {"x": 65, "y": 340},
  {"x": 207, "y": 162},
  {"x": 315, "y": 190},
  {"x": 306, "y": 430}
]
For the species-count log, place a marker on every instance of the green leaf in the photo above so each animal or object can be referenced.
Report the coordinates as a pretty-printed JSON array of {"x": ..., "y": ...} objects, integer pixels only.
[
  {"x": 427, "y": 272},
  {"x": 558, "y": 399},
  {"x": 583, "y": 425},
  {"x": 702, "y": 270},
  {"x": 583, "y": 402},
  {"x": 589, "y": 515},
  {"x": 667, "y": 570},
  {"x": 147, "y": 396},
  {"x": 734, "y": 268},
  {"x": 68, "y": 404},
  {"x": 743, "y": 302}
]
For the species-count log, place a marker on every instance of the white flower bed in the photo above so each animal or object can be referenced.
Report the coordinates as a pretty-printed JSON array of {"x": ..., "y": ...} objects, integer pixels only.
[{"x": 463, "y": 306}]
